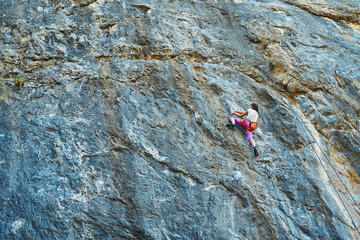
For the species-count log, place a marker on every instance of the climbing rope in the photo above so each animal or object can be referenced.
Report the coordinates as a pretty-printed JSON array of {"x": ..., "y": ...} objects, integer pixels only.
[
  {"x": 275, "y": 190},
  {"x": 336, "y": 172},
  {"x": 319, "y": 159},
  {"x": 277, "y": 196}
]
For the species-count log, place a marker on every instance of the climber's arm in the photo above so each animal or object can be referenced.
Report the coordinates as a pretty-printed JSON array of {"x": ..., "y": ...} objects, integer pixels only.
[
  {"x": 240, "y": 114},
  {"x": 236, "y": 112}
]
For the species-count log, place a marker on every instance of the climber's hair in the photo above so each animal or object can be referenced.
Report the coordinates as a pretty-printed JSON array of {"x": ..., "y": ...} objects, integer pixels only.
[{"x": 255, "y": 106}]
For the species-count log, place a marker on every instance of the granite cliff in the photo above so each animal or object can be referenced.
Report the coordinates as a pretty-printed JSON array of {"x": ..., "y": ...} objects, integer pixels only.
[{"x": 113, "y": 113}]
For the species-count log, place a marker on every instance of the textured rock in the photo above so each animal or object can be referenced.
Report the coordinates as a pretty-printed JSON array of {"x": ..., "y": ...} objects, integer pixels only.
[{"x": 118, "y": 131}]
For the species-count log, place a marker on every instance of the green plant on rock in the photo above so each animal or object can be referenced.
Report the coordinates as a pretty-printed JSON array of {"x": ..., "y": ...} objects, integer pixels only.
[{"x": 19, "y": 81}]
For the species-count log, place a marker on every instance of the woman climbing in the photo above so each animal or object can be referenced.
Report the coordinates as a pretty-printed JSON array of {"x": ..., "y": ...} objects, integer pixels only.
[{"x": 249, "y": 123}]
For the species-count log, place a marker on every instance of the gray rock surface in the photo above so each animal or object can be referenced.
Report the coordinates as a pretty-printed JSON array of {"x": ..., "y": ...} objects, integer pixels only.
[{"x": 119, "y": 129}]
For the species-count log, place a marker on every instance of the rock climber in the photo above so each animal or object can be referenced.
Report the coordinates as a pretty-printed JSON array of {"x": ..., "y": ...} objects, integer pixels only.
[{"x": 249, "y": 123}]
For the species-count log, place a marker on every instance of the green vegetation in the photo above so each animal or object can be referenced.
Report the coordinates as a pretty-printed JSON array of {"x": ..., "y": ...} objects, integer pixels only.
[{"x": 19, "y": 81}]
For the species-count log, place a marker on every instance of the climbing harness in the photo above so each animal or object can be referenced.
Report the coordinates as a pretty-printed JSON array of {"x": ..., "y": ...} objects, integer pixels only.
[{"x": 252, "y": 125}]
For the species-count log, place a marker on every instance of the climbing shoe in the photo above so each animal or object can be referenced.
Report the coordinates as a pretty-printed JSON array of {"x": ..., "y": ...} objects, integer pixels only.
[
  {"x": 256, "y": 153},
  {"x": 231, "y": 125}
]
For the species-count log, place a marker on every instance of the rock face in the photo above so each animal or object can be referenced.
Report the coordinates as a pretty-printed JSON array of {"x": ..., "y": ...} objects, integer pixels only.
[{"x": 112, "y": 119}]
